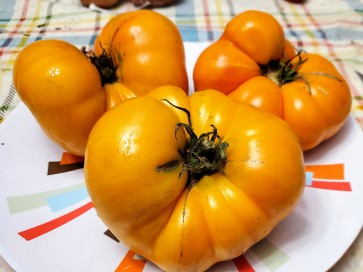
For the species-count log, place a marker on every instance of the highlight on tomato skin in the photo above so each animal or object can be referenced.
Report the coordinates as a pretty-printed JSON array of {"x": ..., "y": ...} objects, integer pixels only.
[
  {"x": 142, "y": 62},
  {"x": 192, "y": 180},
  {"x": 259, "y": 66},
  {"x": 62, "y": 89},
  {"x": 68, "y": 89}
]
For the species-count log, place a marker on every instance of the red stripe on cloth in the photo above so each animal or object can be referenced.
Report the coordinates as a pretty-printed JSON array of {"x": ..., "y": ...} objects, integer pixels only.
[
  {"x": 44, "y": 228},
  {"x": 16, "y": 29},
  {"x": 288, "y": 24},
  {"x": 208, "y": 23},
  {"x": 330, "y": 47},
  {"x": 319, "y": 29},
  {"x": 328, "y": 24},
  {"x": 242, "y": 264},
  {"x": 308, "y": 43}
]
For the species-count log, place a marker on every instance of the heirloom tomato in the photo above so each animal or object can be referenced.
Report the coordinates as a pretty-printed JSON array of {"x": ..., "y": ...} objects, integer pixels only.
[
  {"x": 147, "y": 51},
  {"x": 68, "y": 89},
  {"x": 190, "y": 181},
  {"x": 62, "y": 89},
  {"x": 254, "y": 63}
]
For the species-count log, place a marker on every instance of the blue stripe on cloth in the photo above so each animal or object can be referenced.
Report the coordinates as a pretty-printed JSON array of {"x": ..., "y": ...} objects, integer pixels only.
[
  {"x": 6, "y": 13},
  {"x": 338, "y": 34},
  {"x": 7, "y": 10},
  {"x": 356, "y": 5},
  {"x": 97, "y": 28},
  {"x": 78, "y": 40},
  {"x": 185, "y": 20},
  {"x": 332, "y": 34},
  {"x": 191, "y": 34}
]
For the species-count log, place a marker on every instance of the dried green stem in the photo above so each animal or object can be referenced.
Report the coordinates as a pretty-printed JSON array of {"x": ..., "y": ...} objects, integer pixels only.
[
  {"x": 202, "y": 155},
  {"x": 284, "y": 71},
  {"x": 104, "y": 65}
]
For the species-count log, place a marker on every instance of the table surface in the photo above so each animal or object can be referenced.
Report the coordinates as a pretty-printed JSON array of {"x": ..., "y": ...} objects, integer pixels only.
[{"x": 333, "y": 29}]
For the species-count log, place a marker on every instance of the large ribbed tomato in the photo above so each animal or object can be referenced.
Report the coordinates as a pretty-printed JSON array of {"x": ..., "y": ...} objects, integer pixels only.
[
  {"x": 62, "y": 89},
  {"x": 190, "y": 181},
  {"x": 147, "y": 51},
  {"x": 68, "y": 89},
  {"x": 253, "y": 62}
]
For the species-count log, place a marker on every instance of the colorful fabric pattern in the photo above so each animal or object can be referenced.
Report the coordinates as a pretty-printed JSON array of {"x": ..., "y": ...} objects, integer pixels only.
[{"x": 333, "y": 29}]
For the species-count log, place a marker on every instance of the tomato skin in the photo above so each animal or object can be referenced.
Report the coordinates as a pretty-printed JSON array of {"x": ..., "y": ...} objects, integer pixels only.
[
  {"x": 69, "y": 95},
  {"x": 144, "y": 62},
  {"x": 255, "y": 90},
  {"x": 182, "y": 228},
  {"x": 315, "y": 107},
  {"x": 116, "y": 93},
  {"x": 319, "y": 114},
  {"x": 314, "y": 115},
  {"x": 256, "y": 33},
  {"x": 138, "y": 143},
  {"x": 223, "y": 59},
  {"x": 245, "y": 43},
  {"x": 62, "y": 89}
]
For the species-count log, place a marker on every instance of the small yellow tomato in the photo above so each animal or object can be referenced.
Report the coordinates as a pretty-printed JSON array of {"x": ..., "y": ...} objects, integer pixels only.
[
  {"x": 147, "y": 51},
  {"x": 255, "y": 64},
  {"x": 62, "y": 89}
]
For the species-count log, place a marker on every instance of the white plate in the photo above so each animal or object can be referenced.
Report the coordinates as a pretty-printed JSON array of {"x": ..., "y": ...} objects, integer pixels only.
[{"x": 48, "y": 224}]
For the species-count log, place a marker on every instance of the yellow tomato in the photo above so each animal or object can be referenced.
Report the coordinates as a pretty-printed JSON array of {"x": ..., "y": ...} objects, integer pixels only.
[
  {"x": 255, "y": 64},
  {"x": 147, "y": 51},
  {"x": 68, "y": 89},
  {"x": 315, "y": 104},
  {"x": 190, "y": 181},
  {"x": 62, "y": 89}
]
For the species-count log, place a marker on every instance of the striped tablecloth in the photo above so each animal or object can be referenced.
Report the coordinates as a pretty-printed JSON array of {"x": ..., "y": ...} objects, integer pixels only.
[{"x": 331, "y": 28}]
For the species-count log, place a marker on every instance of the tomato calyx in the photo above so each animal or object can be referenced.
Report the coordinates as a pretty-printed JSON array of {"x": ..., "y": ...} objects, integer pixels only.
[
  {"x": 202, "y": 155},
  {"x": 283, "y": 71},
  {"x": 104, "y": 65}
]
